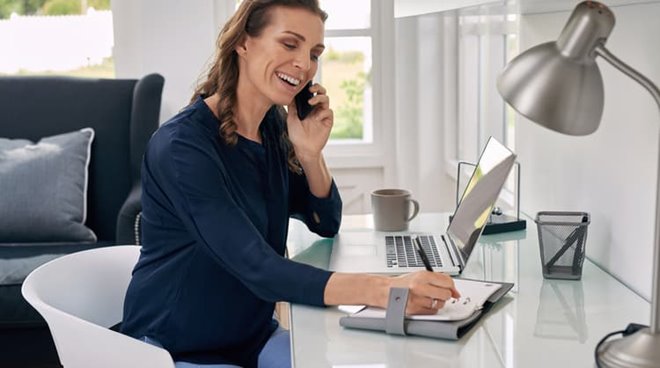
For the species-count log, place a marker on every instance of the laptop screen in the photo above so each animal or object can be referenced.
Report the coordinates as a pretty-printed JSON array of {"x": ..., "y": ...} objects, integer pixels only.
[{"x": 480, "y": 196}]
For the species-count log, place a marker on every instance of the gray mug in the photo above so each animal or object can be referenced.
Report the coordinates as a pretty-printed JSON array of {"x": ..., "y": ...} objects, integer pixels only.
[{"x": 393, "y": 209}]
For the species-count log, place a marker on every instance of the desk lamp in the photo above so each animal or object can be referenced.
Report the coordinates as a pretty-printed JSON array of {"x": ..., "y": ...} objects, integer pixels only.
[{"x": 559, "y": 86}]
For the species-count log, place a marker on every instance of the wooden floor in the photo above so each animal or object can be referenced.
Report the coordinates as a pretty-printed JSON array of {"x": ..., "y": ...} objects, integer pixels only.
[{"x": 282, "y": 314}]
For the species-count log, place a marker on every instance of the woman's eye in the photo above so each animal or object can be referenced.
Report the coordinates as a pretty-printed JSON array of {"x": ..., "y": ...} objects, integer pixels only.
[
  {"x": 289, "y": 46},
  {"x": 315, "y": 57}
]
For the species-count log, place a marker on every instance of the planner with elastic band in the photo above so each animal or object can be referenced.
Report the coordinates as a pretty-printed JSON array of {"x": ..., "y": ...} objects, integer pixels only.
[{"x": 450, "y": 324}]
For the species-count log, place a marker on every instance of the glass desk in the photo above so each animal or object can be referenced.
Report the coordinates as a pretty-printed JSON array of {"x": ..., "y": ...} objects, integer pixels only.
[{"x": 540, "y": 323}]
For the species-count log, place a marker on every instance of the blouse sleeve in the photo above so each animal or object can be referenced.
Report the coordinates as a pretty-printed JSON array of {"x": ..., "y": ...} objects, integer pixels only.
[
  {"x": 321, "y": 215},
  {"x": 192, "y": 176}
]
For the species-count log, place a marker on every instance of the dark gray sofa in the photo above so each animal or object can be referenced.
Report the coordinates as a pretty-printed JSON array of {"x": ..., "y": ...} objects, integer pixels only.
[{"x": 124, "y": 114}]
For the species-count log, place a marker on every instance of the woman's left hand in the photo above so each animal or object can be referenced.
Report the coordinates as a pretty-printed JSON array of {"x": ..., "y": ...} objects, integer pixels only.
[{"x": 310, "y": 135}]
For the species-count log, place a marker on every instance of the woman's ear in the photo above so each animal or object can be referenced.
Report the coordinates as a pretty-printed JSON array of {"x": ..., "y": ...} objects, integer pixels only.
[{"x": 241, "y": 47}]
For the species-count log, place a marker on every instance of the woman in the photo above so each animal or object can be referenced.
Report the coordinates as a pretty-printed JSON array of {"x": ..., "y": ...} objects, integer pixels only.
[{"x": 220, "y": 181}]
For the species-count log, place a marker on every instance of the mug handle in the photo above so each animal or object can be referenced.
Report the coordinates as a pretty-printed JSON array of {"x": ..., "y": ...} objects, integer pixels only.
[{"x": 415, "y": 210}]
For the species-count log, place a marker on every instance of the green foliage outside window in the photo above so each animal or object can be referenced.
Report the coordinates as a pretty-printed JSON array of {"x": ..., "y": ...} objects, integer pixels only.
[
  {"x": 345, "y": 80},
  {"x": 104, "y": 70},
  {"x": 344, "y": 56},
  {"x": 349, "y": 121},
  {"x": 21, "y": 7},
  {"x": 61, "y": 7},
  {"x": 49, "y": 7},
  {"x": 99, "y": 4}
]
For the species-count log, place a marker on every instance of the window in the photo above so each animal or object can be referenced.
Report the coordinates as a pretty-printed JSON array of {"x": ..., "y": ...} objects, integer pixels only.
[
  {"x": 56, "y": 37},
  {"x": 484, "y": 43},
  {"x": 345, "y": 71},
  {"x": 345, "y": 68},
  {"x": 357, "y": 69}
]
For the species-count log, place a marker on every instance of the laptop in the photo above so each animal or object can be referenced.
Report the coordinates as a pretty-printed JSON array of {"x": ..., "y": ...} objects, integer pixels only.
[{"x": 369, "y": 251}]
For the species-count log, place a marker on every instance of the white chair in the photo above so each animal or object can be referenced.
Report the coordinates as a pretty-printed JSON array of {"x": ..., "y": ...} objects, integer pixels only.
[{"x": 80, "y": 296}]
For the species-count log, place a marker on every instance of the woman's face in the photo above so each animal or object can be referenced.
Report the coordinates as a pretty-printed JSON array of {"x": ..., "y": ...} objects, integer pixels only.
[{"x": 279, "y": 62}]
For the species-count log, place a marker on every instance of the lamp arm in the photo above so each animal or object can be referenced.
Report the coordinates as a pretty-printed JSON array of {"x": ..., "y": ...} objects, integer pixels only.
[
  {"x": 653, "y": 89},
  {"x": 626, "y": 69}
]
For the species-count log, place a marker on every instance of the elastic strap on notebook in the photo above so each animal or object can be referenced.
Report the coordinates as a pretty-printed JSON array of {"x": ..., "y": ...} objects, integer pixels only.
[{"x": 396, "y": 311}]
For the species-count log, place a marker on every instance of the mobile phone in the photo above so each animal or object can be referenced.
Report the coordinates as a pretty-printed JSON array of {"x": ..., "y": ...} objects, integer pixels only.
[{"x": 302, "y": 105}]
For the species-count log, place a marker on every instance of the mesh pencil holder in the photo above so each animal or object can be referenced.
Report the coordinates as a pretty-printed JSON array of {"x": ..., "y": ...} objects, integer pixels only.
[{"x": 562, "y": 238}]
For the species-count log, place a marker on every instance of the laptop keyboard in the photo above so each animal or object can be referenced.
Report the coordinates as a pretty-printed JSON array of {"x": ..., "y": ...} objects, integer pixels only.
[{"x": 401, "y": 251}]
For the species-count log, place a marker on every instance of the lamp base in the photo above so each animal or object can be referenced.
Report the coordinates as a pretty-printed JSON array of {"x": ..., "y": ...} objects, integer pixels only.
[
  {"x": 641, "y": 349},
  {"x": 501, "y": 224}
]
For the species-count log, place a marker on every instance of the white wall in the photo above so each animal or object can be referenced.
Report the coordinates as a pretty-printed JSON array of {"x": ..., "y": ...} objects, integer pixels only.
[
  {"x": 611, "y": 173},
  {"x": 170, "y": 37}
]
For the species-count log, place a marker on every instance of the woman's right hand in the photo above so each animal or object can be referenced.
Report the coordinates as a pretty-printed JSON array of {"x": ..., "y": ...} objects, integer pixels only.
[
  {"x": 428, "y": 291},
  {"x": 310, "y": 137}
]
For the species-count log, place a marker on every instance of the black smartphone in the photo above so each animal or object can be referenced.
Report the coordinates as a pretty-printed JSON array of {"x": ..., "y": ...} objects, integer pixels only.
[{"x": 302, "y": 105}]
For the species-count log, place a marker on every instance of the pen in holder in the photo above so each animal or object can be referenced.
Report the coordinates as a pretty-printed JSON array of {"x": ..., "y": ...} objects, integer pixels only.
[
  {"x": 562, "y": 238},
  {"x": 498, "y": 222}
]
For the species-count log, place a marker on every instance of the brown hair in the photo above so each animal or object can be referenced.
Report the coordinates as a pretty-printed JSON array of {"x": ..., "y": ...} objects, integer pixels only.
[{"x": 251, "y": 17}]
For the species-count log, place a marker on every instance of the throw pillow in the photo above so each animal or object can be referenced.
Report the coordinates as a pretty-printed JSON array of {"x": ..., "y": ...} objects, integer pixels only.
[{"x": 44, "y": 188}]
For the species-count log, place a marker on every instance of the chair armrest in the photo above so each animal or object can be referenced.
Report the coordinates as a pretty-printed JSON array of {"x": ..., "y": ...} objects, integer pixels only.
[{"x": 128, "y": 219}]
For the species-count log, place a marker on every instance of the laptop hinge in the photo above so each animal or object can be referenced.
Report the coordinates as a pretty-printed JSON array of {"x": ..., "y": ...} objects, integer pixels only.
[{"x": 455, "y": 255}]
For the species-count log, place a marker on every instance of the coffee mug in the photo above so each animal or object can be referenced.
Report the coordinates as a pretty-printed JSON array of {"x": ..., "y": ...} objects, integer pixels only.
[{"x": 393, "y": 209}]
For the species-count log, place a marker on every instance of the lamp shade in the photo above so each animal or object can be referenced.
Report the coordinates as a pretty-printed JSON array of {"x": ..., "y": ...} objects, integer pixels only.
[
  {"x": 553, "y": 91},
  {"x": 558, "y": 84}
]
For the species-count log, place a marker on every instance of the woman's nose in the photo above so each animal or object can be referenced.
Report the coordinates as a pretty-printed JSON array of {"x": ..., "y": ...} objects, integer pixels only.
[{"x": 302, "y": 61}]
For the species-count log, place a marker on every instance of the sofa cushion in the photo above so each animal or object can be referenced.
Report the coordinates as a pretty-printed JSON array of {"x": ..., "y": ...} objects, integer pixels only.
[
  {"x": 17, "y": 260},
  {"x": 14, "y": 271},
  {"x": 44, "y": 188}
]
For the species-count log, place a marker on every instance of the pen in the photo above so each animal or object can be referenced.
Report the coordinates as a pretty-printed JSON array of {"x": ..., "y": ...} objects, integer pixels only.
[{"x": 422, "y": 254}]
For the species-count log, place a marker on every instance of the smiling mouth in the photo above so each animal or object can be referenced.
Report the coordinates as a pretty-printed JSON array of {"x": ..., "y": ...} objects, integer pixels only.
[{"x": 288, "y": 79}]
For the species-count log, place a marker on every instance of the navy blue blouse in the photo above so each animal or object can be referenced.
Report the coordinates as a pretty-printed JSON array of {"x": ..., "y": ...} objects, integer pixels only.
[{"x": 214, "y": 226}]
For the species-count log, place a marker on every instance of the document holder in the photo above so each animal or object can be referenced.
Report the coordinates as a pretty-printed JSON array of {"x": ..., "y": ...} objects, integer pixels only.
[
  {"x": 498, "y": 222},
  {"x": 395, "y": 322}
]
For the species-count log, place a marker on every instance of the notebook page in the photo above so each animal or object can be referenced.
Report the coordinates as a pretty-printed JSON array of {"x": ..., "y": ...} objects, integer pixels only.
[{"x": 473, "y": 296}]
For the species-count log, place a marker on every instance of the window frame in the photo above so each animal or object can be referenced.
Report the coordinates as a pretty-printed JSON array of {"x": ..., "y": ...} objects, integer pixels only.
[{"x": 355, "y": 154}]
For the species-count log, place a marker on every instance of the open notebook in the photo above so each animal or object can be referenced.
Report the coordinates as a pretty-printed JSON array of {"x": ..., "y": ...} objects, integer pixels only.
[
  {"x": 451, "y": 322},
  {"x": 473, "y": 296}
]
